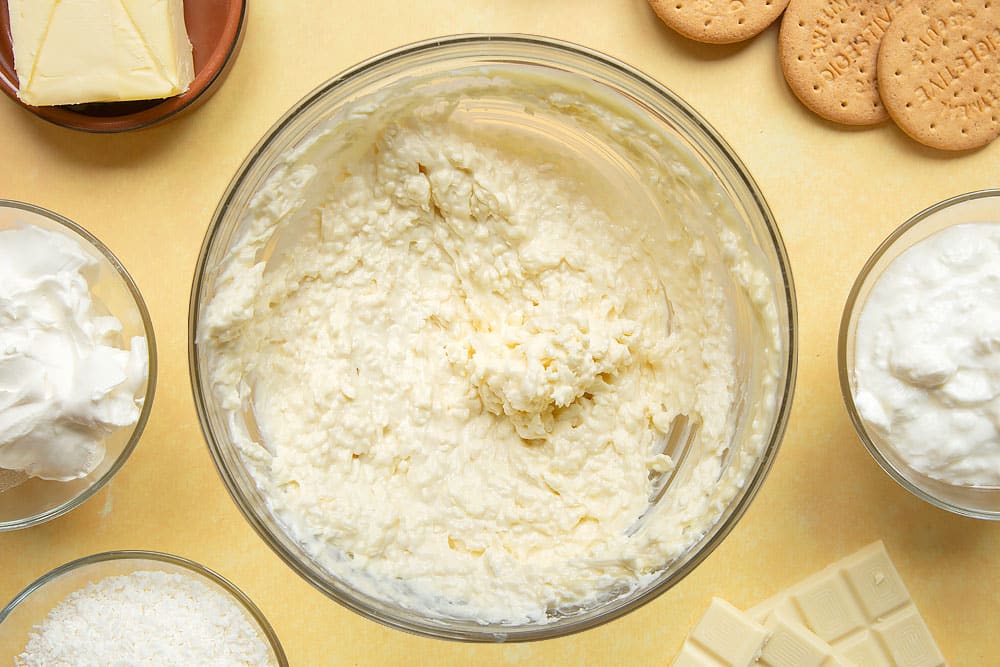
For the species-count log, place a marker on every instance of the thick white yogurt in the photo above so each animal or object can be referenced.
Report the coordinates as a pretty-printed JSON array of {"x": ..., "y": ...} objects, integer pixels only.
[
  {"x": 65, "y": 380},
  {"x": 452, "y": 352},
  {"x": 927, "y": 355}
]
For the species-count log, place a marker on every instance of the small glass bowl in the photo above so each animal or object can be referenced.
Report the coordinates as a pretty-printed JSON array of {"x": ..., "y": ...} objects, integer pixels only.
[
  {"x": 979, "y": 206},
  {"x": 733, "y": 193},
  {"x": 27, "y": 501},
  {"x": 30, "y": 607}
]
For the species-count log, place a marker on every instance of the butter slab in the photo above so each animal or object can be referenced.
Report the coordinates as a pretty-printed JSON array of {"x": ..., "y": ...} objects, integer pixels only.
[{"x": 76, "y": 51}]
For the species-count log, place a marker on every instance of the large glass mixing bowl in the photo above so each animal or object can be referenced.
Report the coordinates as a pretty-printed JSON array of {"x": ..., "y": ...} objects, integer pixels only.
[{"x": 725, "y": 191}]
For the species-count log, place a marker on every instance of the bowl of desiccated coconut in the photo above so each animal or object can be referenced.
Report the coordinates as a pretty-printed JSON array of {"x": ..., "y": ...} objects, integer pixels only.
[{"x": 136, "y": 607}]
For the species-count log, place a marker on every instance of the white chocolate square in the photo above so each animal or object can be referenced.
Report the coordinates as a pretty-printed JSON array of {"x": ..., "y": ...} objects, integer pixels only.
[
  {"x": 865, "y": 650},
  {"x": 792, "y": 645},
  {"x": 829, "y": 608},
  {"x": 878, "y": 585},
  {"x": 909, "y": 641},
  {"x": 724, "y": 637}
]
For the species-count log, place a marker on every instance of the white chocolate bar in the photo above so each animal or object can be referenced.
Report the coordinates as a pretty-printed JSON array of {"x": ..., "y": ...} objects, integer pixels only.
[
  {"x": 724, "y": 637},
  {"x": 860, "y": 607},
  {"x": 727, "y": 637}
]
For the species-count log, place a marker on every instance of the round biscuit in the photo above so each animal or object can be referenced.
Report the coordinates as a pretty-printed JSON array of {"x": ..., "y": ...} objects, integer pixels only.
[
  {"x": 718, "y": 21},
  {"x": 939, "y": 72},
  {"x": 828, "y": 51}
]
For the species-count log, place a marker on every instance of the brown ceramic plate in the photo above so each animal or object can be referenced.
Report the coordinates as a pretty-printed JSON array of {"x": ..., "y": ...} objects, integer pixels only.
[{"x": 215, "y": 28}]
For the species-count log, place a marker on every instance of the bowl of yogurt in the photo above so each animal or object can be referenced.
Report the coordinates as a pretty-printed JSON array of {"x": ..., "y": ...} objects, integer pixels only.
[
  {"x": 136, "y": 608},
  {"x": 77, "y": 365},
  {"x": 492, "y": 338},
  {"x": 919, "y": 354}
]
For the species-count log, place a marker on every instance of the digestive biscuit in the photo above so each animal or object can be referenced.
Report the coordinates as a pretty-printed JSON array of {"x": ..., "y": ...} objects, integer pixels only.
[
  {"x": 828, "y": 51},
  {"x": 718, "y": 21},
  {"x": 939, "y": 72}
]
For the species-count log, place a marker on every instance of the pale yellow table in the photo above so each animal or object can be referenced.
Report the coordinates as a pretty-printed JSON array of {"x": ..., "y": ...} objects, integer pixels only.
[{"x": 836, "y": 194}]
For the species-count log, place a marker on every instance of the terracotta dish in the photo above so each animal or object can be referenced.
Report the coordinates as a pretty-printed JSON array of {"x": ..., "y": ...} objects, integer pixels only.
[{"x": 215, "y": 28}]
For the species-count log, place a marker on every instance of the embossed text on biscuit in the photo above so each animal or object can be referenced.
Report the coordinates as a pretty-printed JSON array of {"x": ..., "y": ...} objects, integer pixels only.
[{"x": 862, "y": 41}]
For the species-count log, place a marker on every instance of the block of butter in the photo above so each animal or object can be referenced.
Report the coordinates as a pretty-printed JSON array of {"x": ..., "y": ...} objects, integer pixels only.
[{"x": 74, "y": 51}]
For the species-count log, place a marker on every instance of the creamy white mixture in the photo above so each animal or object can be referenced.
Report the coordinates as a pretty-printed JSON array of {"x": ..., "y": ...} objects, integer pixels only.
[
  {"x": 454, "y": 356},
  {"x": 927, "y": 359},
  {"x": 66, "y": 380}
]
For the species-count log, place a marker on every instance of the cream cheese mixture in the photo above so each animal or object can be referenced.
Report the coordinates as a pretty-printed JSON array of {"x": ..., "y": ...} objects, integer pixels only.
[{"x": 461, "y": 362}]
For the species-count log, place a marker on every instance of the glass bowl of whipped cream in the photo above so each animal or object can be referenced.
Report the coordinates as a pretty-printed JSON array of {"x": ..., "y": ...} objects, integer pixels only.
[
  {"x": 136, "y": 607},
  {"x": 77, "y": 365},
  {"x": 919, "y": 354},
  {"x": 492, "y": 338}
]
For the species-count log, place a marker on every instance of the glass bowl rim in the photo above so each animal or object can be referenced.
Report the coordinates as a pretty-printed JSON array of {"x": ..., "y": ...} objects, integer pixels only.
[
  {"x": 847, "y": 393},
  {"x": 783, "y": 286},
  {"x": 137, "y": 555},
  {"x": 147, "y": 406}
]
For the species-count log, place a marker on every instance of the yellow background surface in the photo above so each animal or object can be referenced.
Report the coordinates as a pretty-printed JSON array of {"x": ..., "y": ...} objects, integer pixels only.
[{"x": 836, "y": 193}]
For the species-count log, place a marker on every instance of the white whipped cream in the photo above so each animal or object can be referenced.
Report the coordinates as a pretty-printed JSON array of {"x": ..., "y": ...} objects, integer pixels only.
[
  {"x": 927, "y": 355},
  {"x": 464, "y": 348},
  {"x": 65, "y": 381}
]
